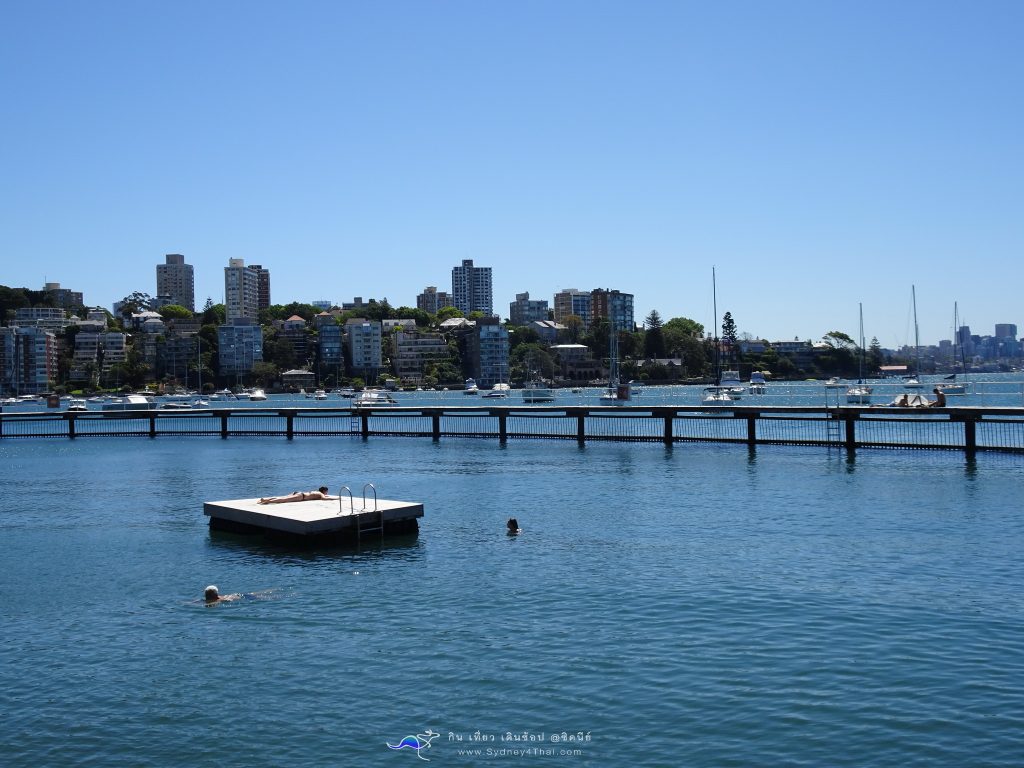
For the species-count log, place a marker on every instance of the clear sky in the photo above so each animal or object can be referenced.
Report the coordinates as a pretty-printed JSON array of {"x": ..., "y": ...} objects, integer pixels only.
[{"x": 819, "y": 154}]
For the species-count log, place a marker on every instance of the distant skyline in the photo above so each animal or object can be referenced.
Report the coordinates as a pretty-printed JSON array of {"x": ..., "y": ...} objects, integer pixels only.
[{"x": 819, "y": 155}]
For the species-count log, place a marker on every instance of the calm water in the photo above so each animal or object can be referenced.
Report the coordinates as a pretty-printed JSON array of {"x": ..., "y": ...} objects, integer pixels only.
[{"x": 700, "y": 606}]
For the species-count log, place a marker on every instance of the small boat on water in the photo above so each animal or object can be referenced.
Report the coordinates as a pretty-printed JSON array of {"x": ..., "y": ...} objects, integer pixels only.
[
  {"x": 860, "y": 393},
  {"x": 471, "y": 387},
  {"x": 139, "y": 403},
  {"x": 257, "y": 395},
  {"x": 536, "y": 391},
  {"x": 758, "y": 383},
  {"x": 373, "y": 398},
  {"x": 834, "y": 383},
  {"x": 77, "y": 404},
  {"x": 498, "y": 390},
  {"x": 717, "y": 396},
  {"x": 175, "y": 406}
]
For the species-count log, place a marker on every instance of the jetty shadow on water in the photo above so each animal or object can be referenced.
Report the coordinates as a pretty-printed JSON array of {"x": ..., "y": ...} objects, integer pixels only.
[{"x": 295, "y": 549}]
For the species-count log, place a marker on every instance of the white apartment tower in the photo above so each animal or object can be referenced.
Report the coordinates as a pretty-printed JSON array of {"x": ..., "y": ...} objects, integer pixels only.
[
  {"x": 175, "y": 280},
  {"x": 241, "y": 291},
  {"x": 471, "y": 288}
]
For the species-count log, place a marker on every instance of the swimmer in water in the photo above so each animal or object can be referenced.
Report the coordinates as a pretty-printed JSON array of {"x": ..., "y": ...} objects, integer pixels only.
[
  {"x": 212, "y": 595},
  {"x": 513, "y": 527}
]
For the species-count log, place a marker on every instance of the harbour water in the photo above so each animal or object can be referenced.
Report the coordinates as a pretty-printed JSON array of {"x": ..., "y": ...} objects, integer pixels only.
[{"x": 700, "y": 605}]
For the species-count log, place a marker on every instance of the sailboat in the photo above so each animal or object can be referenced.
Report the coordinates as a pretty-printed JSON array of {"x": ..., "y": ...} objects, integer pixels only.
[
  {"x": 914, "y": 381},
  {"x": 617, "y": 392},
  {"x": 954, "y": 387},
  {"x": 717, "y": 393},
  {"x": 860, "y": 393}
]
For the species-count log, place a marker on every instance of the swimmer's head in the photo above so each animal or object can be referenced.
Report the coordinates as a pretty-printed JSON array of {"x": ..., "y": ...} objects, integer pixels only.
[
  {"x": 211, "y": 593},
  {"x": 323, "y": 489}
]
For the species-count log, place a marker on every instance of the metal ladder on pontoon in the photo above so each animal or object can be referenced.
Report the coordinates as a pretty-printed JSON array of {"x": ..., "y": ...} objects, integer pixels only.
[{"x": 374, "y": 521}]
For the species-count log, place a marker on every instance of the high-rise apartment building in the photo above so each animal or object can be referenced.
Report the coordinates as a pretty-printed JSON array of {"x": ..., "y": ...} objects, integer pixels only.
[
  {"x": 471, "y": 288},
  {"x": 614, "y": 305},
  {"x": 488, "y": 348},
  {"x": 28, "y": 360},
  {"x": 570, "y": 301},
  {"x": 176, "y": 281},
  {"x": 365, "y": 339},
  {"x": 262, "y": 286},
  {"x": 1006, "y": 331},
  {"x": 432, "y": 300},
  {"x": 525, "y": 310},
  {"x": 241, "y": 291}
]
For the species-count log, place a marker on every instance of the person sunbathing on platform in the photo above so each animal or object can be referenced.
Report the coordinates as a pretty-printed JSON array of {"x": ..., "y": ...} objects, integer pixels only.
[{"x": 299, "y": 496}]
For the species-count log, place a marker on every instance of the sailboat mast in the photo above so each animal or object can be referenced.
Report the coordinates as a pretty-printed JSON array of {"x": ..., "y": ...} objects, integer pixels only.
[
  {"x": 917, "y": 343},
  {"x": 860, "y": 379},
  {"x": 718, "y": 349}
]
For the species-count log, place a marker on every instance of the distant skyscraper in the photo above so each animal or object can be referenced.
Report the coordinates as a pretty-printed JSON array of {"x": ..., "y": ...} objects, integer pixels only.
[
  {"x": 175, "y": 280},
  {"x": 471, "y": 288},
  {"x": 432, "y": 300},
  {"x": 262, "y": 286},
  {"x": 241, "y": 291},
  {"x": 1006, "y": 331}
]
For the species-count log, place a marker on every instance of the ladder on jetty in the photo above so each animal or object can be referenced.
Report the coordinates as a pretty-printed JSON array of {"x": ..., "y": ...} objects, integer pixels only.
[{"x": 366, "y": 520}]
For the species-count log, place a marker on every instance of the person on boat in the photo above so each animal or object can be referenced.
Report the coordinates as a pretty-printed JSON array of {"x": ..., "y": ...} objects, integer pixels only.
[
  {"x": 212, "y": 595},
  {"x": 321, "y": 493},
  {"x": 901, "y": 401},
  {"x": 513, "y": 527},
  {"x": 940, "y": 399}
]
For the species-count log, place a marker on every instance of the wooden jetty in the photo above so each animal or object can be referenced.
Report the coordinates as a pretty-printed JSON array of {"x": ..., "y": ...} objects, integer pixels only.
[
  {"x": 968, "y": 429},
  {"x": 317, "y": 519}
]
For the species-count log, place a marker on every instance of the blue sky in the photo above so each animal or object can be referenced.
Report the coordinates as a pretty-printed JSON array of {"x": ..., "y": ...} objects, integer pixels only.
[{"x": 818, "y": 154}]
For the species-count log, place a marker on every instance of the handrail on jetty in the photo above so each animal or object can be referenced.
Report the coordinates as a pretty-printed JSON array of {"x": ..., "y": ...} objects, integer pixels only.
[{"x": 970, "y": 428}]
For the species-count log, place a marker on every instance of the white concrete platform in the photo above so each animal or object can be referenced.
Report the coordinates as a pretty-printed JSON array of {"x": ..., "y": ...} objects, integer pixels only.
[{"x": 312, "y": 518}]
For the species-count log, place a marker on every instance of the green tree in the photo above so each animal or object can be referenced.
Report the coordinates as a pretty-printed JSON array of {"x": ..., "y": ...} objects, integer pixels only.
[
  {"x": 213, "y": 314},
  {"x": 447, "y": 313},
  {"x": 573, "y": 328},
  {"x": 839, "y": 340},
  {"x": 175, "y": 312},
  {"x": 654, "y": 338}
]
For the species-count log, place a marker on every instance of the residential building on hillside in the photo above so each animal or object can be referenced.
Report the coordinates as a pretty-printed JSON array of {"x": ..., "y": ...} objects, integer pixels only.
[
  {"x": 487, "y": 352},
  {"x": 240, "y": 346},
  {"x": 262, "y": 286},
  {"x": 177, "y": 350},
  {"x": 96, "y": 353},
  {"x": 575, "y": 362},
  {"x": 241, "y": 291},
  {"x": 472, "y": 289},
  {"x": 525, "y": 310},
  {"x": 51, "y": 318},
  {"x": 570, "y": 301},
  {"x": 548, "y": 330},
  {"x": 64, "y": 297},
  {"x": 28, "y": 360},
  {"x": 364, "y": 345},
  {"x": 175, "y": 281},
  {"x": 330, "y": 342},
  {"x": 431, "y": 300},
  {"x": 414, "y": 350},
  {"x": 614, "y": 305}
]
